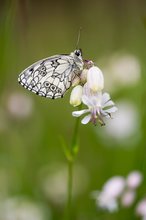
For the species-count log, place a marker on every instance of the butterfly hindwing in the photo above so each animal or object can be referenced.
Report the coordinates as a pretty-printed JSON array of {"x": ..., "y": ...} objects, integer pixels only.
[{"x": 51, "y": 77}]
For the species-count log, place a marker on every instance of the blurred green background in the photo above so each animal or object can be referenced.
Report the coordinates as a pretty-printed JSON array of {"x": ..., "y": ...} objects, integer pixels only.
[{"x": 32, "y": 163}]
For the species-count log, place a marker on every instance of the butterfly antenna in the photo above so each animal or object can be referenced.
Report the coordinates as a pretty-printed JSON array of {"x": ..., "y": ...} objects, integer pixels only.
[{"x": 78, "y": 39}]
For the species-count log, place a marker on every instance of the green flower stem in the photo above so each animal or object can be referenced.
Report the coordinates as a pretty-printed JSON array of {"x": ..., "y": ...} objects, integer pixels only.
[{"x": 73, "y": 152}]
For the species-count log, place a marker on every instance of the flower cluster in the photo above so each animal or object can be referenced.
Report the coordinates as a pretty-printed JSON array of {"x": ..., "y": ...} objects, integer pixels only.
[
  {"x": 118, "y": 191},
  {"x": 89, "y": 92}
]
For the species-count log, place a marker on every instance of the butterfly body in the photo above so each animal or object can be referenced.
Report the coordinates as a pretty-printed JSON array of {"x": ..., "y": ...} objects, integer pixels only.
[{"x": 52, "y": 76}]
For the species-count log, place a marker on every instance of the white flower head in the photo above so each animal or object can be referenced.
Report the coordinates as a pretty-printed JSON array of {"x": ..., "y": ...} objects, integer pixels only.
[
  {"x": 107, "y": 199},
  {"x": 95, "y": 79},
  {"x": 99, "y": 106},
  {"x": 116, "y": 193}
]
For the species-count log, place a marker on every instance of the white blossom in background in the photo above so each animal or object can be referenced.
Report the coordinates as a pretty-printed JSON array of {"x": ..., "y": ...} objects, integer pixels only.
[
  {"x": 121, "y": 70},
  {"x": 134, "y": 179},
  {"x": 111, "y": 191},
  {"x": 99, "y": 104},
  {"x": 114, "y": 186},
  {"x": 19, "y": 105},
  {"x": 141, "y": 209},
  {"x": 21, "y": 209},
  {"x": 106, "y": 202},
  {"x": 125, "y": 122},
  {"x": 53, "y": 182},
  {"x": 117, "y": 192},
  {"x": 128, "y": 198}
]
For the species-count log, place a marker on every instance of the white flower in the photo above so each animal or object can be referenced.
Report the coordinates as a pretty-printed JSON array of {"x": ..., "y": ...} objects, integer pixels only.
[
  {"x": 111, "y": 191},
  {"x": 104, "y": 201},
  {"x": 19, "y": 105},
  {"x": 141, "y": 208},
  {"x": 99, "y": 105},
  {"x": 128, "y": 119},
  {"x": 21, "y": 209},
  {"x": 53, "y": 183},
  {"x": 76, "y": 96},
  {"x": 121, "y": 70},
  {"x": 134, "y": 179},
  {"x": 95, "y": 79},
  {"x": 114, "y": 186},
  {"x": 128, "y": 198}
]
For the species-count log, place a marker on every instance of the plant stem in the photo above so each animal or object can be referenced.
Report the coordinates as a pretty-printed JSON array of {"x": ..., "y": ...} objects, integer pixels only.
[{"x": 73, "y": 151}]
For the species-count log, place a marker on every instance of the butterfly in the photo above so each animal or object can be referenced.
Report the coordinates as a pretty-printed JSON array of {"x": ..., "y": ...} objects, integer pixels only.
[{"x": 53, "y": 76}]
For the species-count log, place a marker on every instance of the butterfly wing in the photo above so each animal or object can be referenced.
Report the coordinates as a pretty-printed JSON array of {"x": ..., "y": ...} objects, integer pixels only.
[{"x": 50, "y": 77}]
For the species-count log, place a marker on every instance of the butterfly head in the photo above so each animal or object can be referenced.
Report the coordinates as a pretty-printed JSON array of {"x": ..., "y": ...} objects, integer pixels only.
[{"x": 78, "y": 54}]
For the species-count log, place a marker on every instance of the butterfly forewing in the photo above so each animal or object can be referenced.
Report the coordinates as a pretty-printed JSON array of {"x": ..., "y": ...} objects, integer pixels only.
[{"x": 51, "y": 77}]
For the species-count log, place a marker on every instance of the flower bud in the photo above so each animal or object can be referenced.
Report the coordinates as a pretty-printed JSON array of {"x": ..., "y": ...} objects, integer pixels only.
[
  {"x": 76, "y": 96},
  {"x": 95, "y": 79}
]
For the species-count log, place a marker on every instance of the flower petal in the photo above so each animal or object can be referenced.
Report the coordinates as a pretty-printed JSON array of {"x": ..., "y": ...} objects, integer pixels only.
[
  {"x": 86, "y": 119},
  {"x": 109, "y": 103},
  {"x": 86, "y": 100},
  {"x": 104, "y": 113},
  {"x": 105, "y": 98},
  {"x": 79, "y": 113},
  {"x": 111, "y": 110}
]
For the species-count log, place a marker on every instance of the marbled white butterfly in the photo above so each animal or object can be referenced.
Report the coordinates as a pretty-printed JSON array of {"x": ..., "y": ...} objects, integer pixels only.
[{"x": 51, "y": 77}]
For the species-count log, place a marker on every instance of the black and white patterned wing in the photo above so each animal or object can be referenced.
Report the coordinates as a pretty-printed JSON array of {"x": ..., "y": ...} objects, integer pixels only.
[{"x": 50, "y": 77}]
